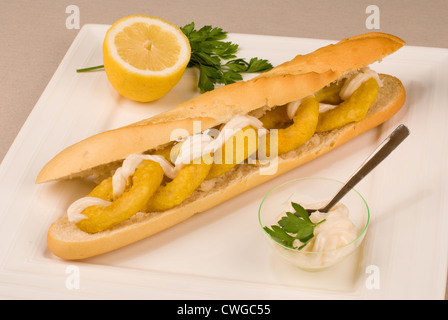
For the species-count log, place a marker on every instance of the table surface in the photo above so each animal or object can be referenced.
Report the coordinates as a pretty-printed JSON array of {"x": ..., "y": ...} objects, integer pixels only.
[{"x": 35, "y": 37}]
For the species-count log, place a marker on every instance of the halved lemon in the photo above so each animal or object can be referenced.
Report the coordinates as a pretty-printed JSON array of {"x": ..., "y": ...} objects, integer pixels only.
[{"x": 145, "y": 57}]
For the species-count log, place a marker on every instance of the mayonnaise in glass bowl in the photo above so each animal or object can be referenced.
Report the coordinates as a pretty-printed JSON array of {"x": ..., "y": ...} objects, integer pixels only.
[{"x": 342, "y": 232}]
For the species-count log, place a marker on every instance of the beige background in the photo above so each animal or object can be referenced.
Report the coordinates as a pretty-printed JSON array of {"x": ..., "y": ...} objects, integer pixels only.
[{"x": 34, "y": 37}]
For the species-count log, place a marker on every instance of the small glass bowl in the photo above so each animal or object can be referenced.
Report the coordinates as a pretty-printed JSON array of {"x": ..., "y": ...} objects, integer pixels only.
[{"x": 311, "y": 190}]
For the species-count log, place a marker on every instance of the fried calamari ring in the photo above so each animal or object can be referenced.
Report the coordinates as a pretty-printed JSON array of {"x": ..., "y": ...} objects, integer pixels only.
[
  {"x": 304, "y": 125},
  {"x": 303, "y": 128},
  {"x": 353, "y": 109},
  {"x": 104, "y": 190},
  {"x": 145, "y": 181},
  {"x": 276, "y": 118},
  {"x": 330, "y": 94},
  {"x": 241, "y": 145},
  {"x": 180, "y": 188}
]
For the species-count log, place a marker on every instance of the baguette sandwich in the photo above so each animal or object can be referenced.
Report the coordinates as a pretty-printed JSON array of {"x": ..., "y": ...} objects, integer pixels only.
[{"x": 160, "y": 171}]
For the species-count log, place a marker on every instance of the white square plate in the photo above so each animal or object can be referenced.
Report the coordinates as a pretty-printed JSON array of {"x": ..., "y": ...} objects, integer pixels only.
[{"x": 221, "y": 254}]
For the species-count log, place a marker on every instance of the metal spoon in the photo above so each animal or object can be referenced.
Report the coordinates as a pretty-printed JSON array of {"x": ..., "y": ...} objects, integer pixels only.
[{"x": 380, "y": 153}]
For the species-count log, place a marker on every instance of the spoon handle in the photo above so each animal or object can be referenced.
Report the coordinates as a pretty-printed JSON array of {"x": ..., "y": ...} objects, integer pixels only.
[{"x": 380, "y": 153}]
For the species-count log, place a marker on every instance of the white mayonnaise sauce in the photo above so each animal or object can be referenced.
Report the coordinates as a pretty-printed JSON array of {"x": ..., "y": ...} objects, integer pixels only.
[
  {"x": 335, "y": 232},
  {"x": 122, "y": 174},
  {"x": 355, "y": 82},
  {"x": 292, "y": 107},
  {"x": 331, "y": 241},
  {"x": 74, "y": 211}
]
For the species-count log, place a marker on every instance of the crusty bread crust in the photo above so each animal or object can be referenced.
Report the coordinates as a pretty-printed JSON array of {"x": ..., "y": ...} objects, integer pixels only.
[
  {"x": 290, "y": 81},
  {"x": 293, "y": 80},
  {"x": 68, "y": 242}
]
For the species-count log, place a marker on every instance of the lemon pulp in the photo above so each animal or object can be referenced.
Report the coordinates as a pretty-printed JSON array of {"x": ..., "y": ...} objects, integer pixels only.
[{"x": 144, "y": 56}]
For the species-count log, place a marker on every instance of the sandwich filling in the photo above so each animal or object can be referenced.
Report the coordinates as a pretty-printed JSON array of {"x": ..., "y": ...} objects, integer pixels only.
[{"x": 167, "y": 177}]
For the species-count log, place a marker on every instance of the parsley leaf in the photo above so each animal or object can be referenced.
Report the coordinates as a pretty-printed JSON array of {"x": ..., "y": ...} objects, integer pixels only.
[
  {"x": 293, "y": 226},
  {"x": 216, "y": 59},
  {"x": 280, "y": 235},
  {"x": 301, "y": 211}
]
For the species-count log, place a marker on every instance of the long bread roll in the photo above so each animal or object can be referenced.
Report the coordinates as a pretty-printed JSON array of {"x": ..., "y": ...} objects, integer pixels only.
[{"x": 291, "y": 81}]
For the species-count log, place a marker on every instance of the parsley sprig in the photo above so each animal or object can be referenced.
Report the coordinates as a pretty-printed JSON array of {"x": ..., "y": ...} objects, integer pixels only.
[
  {"x": 216, "y": 59},
  {"x": 293, "y": 226}
]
